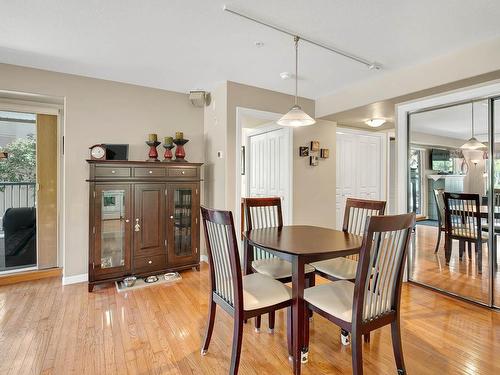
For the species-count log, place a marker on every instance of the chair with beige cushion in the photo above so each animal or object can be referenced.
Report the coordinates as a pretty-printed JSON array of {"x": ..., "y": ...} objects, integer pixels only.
[
  {"x": 356, "y": 212},
  {"x": 463, "y": 223},
  {"x": 242, "y": 297},
  {"x": 373, "y": 300},
  {"x": 265, "y": 212}
]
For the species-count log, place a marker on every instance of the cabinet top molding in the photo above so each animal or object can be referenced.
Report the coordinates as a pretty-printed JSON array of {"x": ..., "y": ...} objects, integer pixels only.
[{"x": 142, "y": 162}]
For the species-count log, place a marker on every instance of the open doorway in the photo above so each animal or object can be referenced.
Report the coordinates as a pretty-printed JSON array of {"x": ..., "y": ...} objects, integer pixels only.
[
  {"x": 265, "y": 162},
  {"x": 28, "y": 191}
]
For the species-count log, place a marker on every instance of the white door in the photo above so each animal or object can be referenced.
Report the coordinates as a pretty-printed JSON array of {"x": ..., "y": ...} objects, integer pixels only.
[
  {"x": 360, "y": 168},
  {"x": 269, "y": 165}
]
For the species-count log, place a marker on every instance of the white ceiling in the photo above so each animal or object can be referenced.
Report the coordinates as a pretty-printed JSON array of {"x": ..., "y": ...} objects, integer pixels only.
[
  {"x": 456, "y": 121},
  {"x": 181, "y": 45}
]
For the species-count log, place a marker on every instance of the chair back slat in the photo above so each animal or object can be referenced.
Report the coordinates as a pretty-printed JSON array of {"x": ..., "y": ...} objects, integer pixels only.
[
  {"x": 381, "y": 265},
  {"x": 223, "y": 256},
  {"x": 496, "y": 207},
  {"x": 356, "y": 212},
  {"x": 439, "y": 197},
  {"x": 463, "y": 215},
  {"x": 262, "y": 213}
]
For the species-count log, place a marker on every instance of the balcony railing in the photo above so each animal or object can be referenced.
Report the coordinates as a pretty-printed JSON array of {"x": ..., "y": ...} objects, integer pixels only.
[{"x": 16, "y": 194}]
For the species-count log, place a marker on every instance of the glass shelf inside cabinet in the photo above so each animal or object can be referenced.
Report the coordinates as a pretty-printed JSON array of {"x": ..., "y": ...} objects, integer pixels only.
[
  {"x": 112, "y": 228},
  {"x": 182, "y": 221}
]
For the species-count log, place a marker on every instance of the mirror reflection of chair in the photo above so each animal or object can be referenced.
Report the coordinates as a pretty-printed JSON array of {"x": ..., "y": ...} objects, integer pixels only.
[
  {"x": 463, "y": 223},
  {"x": 439, "y": 197}
]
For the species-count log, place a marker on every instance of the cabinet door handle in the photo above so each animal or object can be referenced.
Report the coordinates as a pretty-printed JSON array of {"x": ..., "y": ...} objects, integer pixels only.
[
  {"x": 150, "y": 172},
  {"x": 171, "y": 217},
  {"x": 137, "y": 227},
  {"x": 150, "y": 262},
  {"x": 183, "y": 172},
  {"x": 127, "y": 220},
  {"x": 113, "y": 171}
]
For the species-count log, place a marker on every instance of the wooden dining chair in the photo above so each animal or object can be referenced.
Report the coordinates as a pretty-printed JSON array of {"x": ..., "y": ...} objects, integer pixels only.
[
  {"x": 265, "y": 212},
  {"x": 242, "y": 297},
  {"x": 463, "y": 223},
  {"x": 439, "y": 198},
  {"x": 355, "y": 214},
  {"x": 373, "y": 300}
]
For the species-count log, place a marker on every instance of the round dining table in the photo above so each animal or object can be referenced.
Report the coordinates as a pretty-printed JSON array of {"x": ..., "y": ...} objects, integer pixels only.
[{"x": 299, "y": 244}]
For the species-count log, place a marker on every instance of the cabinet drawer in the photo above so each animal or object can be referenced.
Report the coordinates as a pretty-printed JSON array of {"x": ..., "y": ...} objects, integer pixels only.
[
  {"x": 182, "y": 172},
  {"x": 149, "y": 172},
  {"x": 112, "y": 172},
  {"x": 152, "y": 263}
]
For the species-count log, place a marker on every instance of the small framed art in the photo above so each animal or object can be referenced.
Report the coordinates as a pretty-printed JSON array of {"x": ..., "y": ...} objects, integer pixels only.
[
  {"x": 313, "y": 160},
  {"x": 324, "y": 153},
  {"x": 314, "y": 146},
  {"x": 303, "y": 151}
]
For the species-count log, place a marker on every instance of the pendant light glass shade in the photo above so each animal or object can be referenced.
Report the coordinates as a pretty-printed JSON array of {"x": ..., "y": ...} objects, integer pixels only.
[
  {"x": 296, "y": 116},
  {"x": 473, "y": 143}
]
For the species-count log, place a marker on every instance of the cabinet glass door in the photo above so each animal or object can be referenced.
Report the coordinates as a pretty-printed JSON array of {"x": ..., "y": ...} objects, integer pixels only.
[
  {"x": 183, "y": 222},
  {"x": 112, "y": 228}
]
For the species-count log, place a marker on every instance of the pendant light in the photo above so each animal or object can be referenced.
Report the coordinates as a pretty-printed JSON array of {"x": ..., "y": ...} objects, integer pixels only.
[
  {"x": 473, "y": 143},
  {"x": 296, "y": 116},
  {"x": 473, "y": 150}
]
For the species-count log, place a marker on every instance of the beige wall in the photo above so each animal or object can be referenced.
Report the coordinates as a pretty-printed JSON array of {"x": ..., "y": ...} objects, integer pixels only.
[
  {"x": 103, "y": 111},
  {"x": 314, "y": 188}
]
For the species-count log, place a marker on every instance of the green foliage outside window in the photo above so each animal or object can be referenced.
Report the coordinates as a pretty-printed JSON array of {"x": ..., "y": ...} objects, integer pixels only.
[{"x": 20, "y": 166}]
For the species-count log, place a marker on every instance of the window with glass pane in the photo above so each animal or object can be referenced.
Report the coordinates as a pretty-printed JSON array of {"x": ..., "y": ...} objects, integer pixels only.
[
  {"x": 182, "y": 221},
  {"x": 112, "y": 228}
]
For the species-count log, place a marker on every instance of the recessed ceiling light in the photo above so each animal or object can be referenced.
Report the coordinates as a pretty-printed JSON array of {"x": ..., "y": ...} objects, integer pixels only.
[
  {"x": 286, "y": 75},
  {"x": 375, "y": 122},
  {"x": 259, "y": 44}
]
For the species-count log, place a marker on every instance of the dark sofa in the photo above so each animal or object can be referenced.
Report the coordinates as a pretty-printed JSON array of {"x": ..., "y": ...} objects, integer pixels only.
[{"x": 19, "y": 226}]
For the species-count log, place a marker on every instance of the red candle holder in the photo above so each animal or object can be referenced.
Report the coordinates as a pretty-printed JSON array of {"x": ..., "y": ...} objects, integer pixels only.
[
  {"x": 153, "y": 152},
  {"x": 168, "y": 152},
  {"x": 180, "y": 154}
]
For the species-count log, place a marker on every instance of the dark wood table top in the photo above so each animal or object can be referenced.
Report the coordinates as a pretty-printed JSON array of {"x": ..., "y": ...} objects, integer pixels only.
[{"x": 305, "y": 240}]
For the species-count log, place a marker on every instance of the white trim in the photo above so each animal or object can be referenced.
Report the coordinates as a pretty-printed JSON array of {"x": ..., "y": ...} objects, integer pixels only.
[
  {"x": 82, "y": 278},
  {"x": 204, "y": 258},
  {"x": 18, "y": 270},
  {"x": 14, "y": 103},
  {"x": 272, "y": 116}
]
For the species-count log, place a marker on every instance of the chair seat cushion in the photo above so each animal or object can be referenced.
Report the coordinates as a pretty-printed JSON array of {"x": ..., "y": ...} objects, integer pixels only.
[
  {"x": 340, "y": 268},
  {"x": 334, "y": 298},
  {"x": 262, "y": 291},
  {"x": 276, "y": 268}
]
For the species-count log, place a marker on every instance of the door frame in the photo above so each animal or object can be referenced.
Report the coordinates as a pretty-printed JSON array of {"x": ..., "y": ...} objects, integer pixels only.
[
  {"x": 33, "y": 103},
  {"x": 271, "y": 116}
]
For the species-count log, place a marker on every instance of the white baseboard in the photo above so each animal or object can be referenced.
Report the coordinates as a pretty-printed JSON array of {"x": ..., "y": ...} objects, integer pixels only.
[
  {"x": 82, "y": 278},
  {"x": 204, "y": 258}
]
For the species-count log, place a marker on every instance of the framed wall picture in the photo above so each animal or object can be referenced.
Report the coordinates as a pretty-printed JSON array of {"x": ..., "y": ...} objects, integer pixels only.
[
  {"x": 315, "y": 146},
  {"x": 303, "y": 151},
  {"x": 116, "y": 151},
  {"x": 313, "y": 160},
  {"x": 324, "y": 153}
]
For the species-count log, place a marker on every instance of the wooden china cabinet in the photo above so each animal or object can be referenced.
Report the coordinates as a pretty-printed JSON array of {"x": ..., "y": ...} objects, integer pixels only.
[{"x": 144, "y": 219}]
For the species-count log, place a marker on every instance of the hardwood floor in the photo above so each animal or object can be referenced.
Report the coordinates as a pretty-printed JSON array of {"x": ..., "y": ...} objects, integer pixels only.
[
  {"x": 46, "y": 328},
  {"x": 460, "y": 276}
]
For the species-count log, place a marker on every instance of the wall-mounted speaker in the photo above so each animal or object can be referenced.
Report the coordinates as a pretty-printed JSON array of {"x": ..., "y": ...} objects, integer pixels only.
[{"x": 199, "y": 98}]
